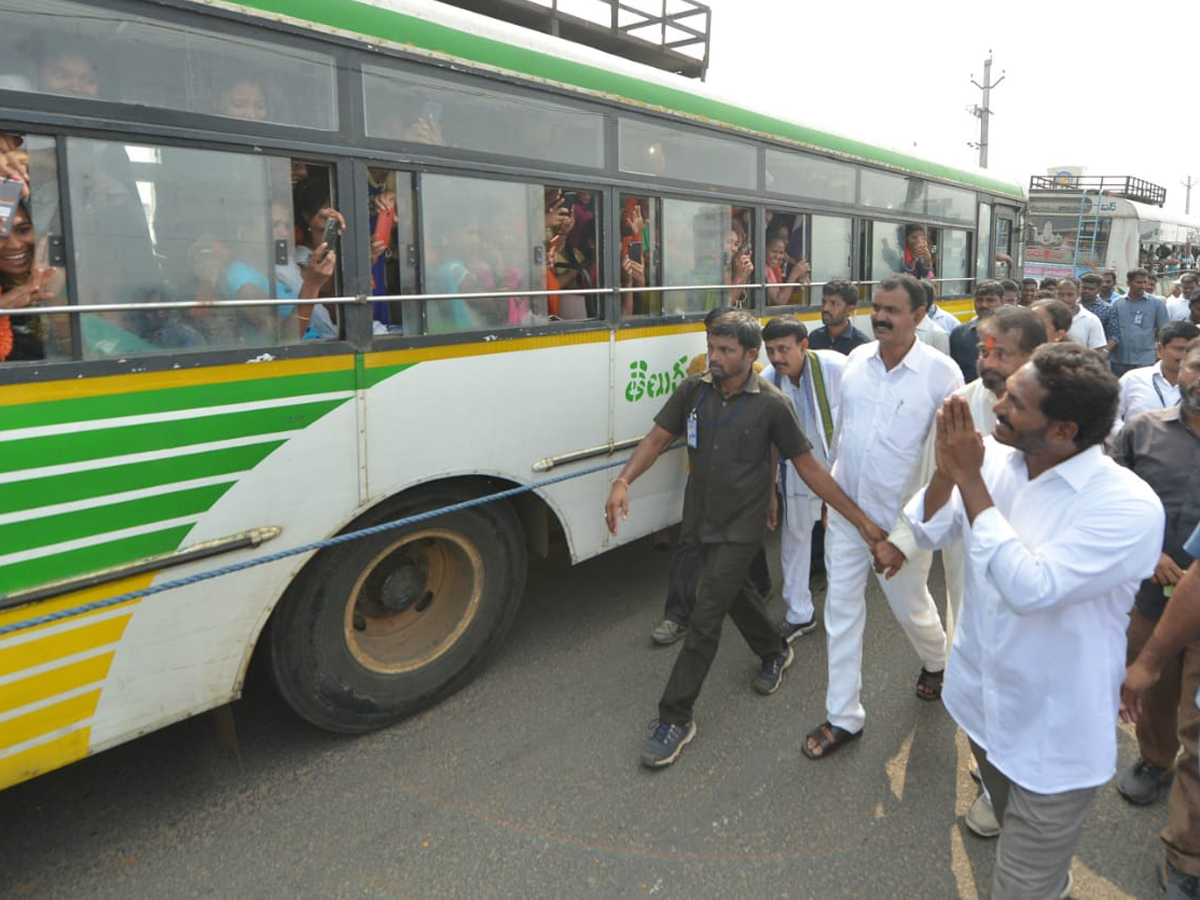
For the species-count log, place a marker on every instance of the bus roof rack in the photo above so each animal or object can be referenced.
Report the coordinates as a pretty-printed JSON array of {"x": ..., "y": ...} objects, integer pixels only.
[
  {"x": 647, "y": 33},
  {"x": 1109, "y": 185}
]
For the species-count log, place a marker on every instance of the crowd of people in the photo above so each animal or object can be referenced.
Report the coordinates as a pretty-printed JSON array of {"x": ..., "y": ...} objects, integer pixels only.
[{"x": 1049, "y": 452}]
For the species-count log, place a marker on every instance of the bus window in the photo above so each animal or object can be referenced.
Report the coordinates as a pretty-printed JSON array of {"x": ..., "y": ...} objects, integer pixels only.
[
  {"x": 785, "y": 257},
  {"x": 895, "y": 192},
  {"x": 707, "y": 248},
  {"x": 887, "y": 249},
  {"x": 392, "y": 225},
  {"x": 1004, "y": 248},
  {"x": 953, "y": 250},
  {"x": 482, "y": 237},
  {"x": 51, "y": 47},
  {"x": 168, "y": 224},
  {"x": 403, "y": 106},
  {"x": 803, "y": 175},
  {"x": 32, "y": 263},
  {"x": 639, "y": 255},
  {"x": 983, "y": 243},
  {"x": 832, "y": 248},
  {"x": 674, "y": 151},
  {"x": 571, "y": 252}
]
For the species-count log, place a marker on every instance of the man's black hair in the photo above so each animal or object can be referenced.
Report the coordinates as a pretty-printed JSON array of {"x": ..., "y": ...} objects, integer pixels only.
[
  {"x": 847, "y": 290},
  {"x": 1031, "y": 333},
  {"x": 1180, "y": 328},
  {"x": 908, "y": 284},
  {"x": 738, "y": 324},
  {"x": 783, "y": 326},
  {"x": 1079, "y": 388}
]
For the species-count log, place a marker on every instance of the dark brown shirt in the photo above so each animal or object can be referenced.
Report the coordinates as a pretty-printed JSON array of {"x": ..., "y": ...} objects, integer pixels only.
[
  {"x": 1160, "y": 448},
  {"x": 729, "y": 485}
]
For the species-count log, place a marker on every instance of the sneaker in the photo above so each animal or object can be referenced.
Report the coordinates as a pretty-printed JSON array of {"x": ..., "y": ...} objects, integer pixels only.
[
  {"x": 1177, "y": 885},
  {"x": 667, "y": 632},
  {"x": 666, "y": 743},
  {"x": 790, "y": 631},
  {"x": 1143, "y": 782},
  {"x": 981, "y": 818},
  {"x": 1066, "y": 892},
  {"x": 770, "y": 676}
]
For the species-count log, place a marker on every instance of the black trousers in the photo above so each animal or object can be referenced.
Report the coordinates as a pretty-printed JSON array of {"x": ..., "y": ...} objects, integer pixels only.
[
  {"x": 683, "y": 578},
  {"x": 725, "y": 588}
]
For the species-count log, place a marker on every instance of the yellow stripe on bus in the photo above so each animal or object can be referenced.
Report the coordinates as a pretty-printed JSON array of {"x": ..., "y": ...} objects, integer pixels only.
[
  {"x": 51, "y": 683},
  {"x": 107, "y": 385},
  {"x": 20, "y": 729},
  {"x": 44, "y": 757},
  {"x": 76, "y": 599},
  {"x": 26, "y": 655}
]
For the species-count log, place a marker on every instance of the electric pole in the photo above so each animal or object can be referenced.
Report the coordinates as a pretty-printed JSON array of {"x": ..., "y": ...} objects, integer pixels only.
[
  {"x": 1187, "y": 205},
  {"x": 983, "y": 112}
]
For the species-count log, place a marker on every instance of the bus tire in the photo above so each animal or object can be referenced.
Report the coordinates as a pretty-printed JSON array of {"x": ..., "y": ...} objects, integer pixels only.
[{"x": 376, "y": 629}]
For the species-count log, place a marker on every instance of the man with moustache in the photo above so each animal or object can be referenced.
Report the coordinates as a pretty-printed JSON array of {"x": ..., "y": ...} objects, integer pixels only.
[
  {"x": 964, "y": 340},
  {"x": 812, "y": 382},
  {"x": 731, "y": 418},
  {"x": 1089, "y": 299},
  {"x": 1140, "y": 315},
  {"x": 1057, "y": 538},
  {"x": 838, "y": 300},
  {"x": 891, "y": 390},
  {"x": 1162, "y": 447}
]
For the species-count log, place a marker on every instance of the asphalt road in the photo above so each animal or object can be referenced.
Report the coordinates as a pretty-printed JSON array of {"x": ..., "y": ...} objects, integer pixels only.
[{"x": 527, "y": 784}]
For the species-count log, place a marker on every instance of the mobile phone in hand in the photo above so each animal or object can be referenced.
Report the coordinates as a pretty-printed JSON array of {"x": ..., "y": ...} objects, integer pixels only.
[
  {"x": 330, "y": 236},
  {"x": 635, "y": 251},
  {"x": 10, "y": 196}
]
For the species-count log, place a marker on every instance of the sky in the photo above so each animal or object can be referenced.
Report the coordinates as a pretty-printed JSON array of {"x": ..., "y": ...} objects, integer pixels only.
[{"x": 900, "y": 75}]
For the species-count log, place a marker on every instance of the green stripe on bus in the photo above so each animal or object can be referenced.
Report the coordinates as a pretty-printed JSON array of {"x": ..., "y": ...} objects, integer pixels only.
[
  {"x": 15, "y": 576},
  {"x": 108, "y": 480},
  {"x": 371, "y": 21},
  {"x": 372, "y": 377},
  {"x": 98, "y": 520},
  {"x": 163, "y": 400},
  {"x": 62, "y": 449}
]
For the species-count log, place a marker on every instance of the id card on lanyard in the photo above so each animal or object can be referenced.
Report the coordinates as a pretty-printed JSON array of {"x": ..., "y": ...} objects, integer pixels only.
[{"x": 693, "y": 431}]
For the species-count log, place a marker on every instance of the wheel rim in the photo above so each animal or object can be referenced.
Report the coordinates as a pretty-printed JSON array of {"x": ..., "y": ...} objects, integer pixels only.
[{"x": 413, "y": 601}]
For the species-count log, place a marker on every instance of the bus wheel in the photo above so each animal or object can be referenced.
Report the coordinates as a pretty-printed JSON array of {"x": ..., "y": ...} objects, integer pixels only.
[{"x": 374, "y": 630}]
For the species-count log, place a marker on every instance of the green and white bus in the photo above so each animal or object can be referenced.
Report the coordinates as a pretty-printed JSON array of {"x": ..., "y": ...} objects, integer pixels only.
[{"x": 533, "y": 232}]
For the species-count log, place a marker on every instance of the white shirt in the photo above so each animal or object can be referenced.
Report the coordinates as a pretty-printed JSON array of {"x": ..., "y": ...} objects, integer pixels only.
[
  {"x": 1145, "y": 389},
  {"x": 946, "y": 321},
  {"x": 883, "y": 422},
  {"x": 1178, "y": 308},
  {"x": 808, "y": 410},
  {"x": 933, "y": 335},
  {"x": 1087, "y": 329},
  {"x": 1039, "y": 653}
]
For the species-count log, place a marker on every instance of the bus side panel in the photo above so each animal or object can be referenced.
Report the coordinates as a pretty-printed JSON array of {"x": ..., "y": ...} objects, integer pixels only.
[{"x": 106, "y": 472}]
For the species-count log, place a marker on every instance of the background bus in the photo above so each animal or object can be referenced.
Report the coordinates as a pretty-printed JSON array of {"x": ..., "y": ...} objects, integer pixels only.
[
  {"x": 534, "y": 233},
  {"x": 1115, "y": 222}
]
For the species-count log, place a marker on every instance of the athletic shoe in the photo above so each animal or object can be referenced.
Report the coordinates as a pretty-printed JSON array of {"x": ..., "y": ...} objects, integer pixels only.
[
  {"x": 981, "y": 818},
  {"x": 666, "y": 743},
  {"x": 770, "y": 676},
  {"x": 1143, "y": 782},
  {"x": 667, "y": 632},
  {"x": 790, "y": 632},
  {"x": 1066, "y": 892}
]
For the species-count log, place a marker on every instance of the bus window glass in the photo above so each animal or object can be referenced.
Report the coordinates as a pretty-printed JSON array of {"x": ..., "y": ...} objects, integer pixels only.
[
  {"x": 572, "y": 258},
  {"x": 799, "y": 175},
  {"x": 785, "y": 255},
  {"x": 953, "y": 254},
  {"x": 832, "y": 248},
  {"x": 983, "y": 243},
  {"x": 32, "y": 261},
  {"x": 75, "y": 50},
  {"x": 1004, "y": 248},
  {"x": 482, "y": 237},
  {"x": 170, "y": 224},
  {"x": 887, "y": 250},
  {"x": 685, "y": 154},
  {"x": 639, "y": 255},
  {"x": 402, "y": 106},
  {"x": 392, "y": 225},
  {"x": 887, "y": 191},
  {"x": 950, "y": 203},
  {"x": 706, "y": 247}
]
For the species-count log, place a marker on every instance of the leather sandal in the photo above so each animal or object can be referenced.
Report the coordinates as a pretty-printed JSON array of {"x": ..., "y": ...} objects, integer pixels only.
[
  {"x": 828, "y": 738},
  {"x": 929, "y": 684}
]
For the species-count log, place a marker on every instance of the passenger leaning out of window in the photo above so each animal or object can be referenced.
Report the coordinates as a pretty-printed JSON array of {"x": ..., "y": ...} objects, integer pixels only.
[{"x": 24, "y": 282}]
